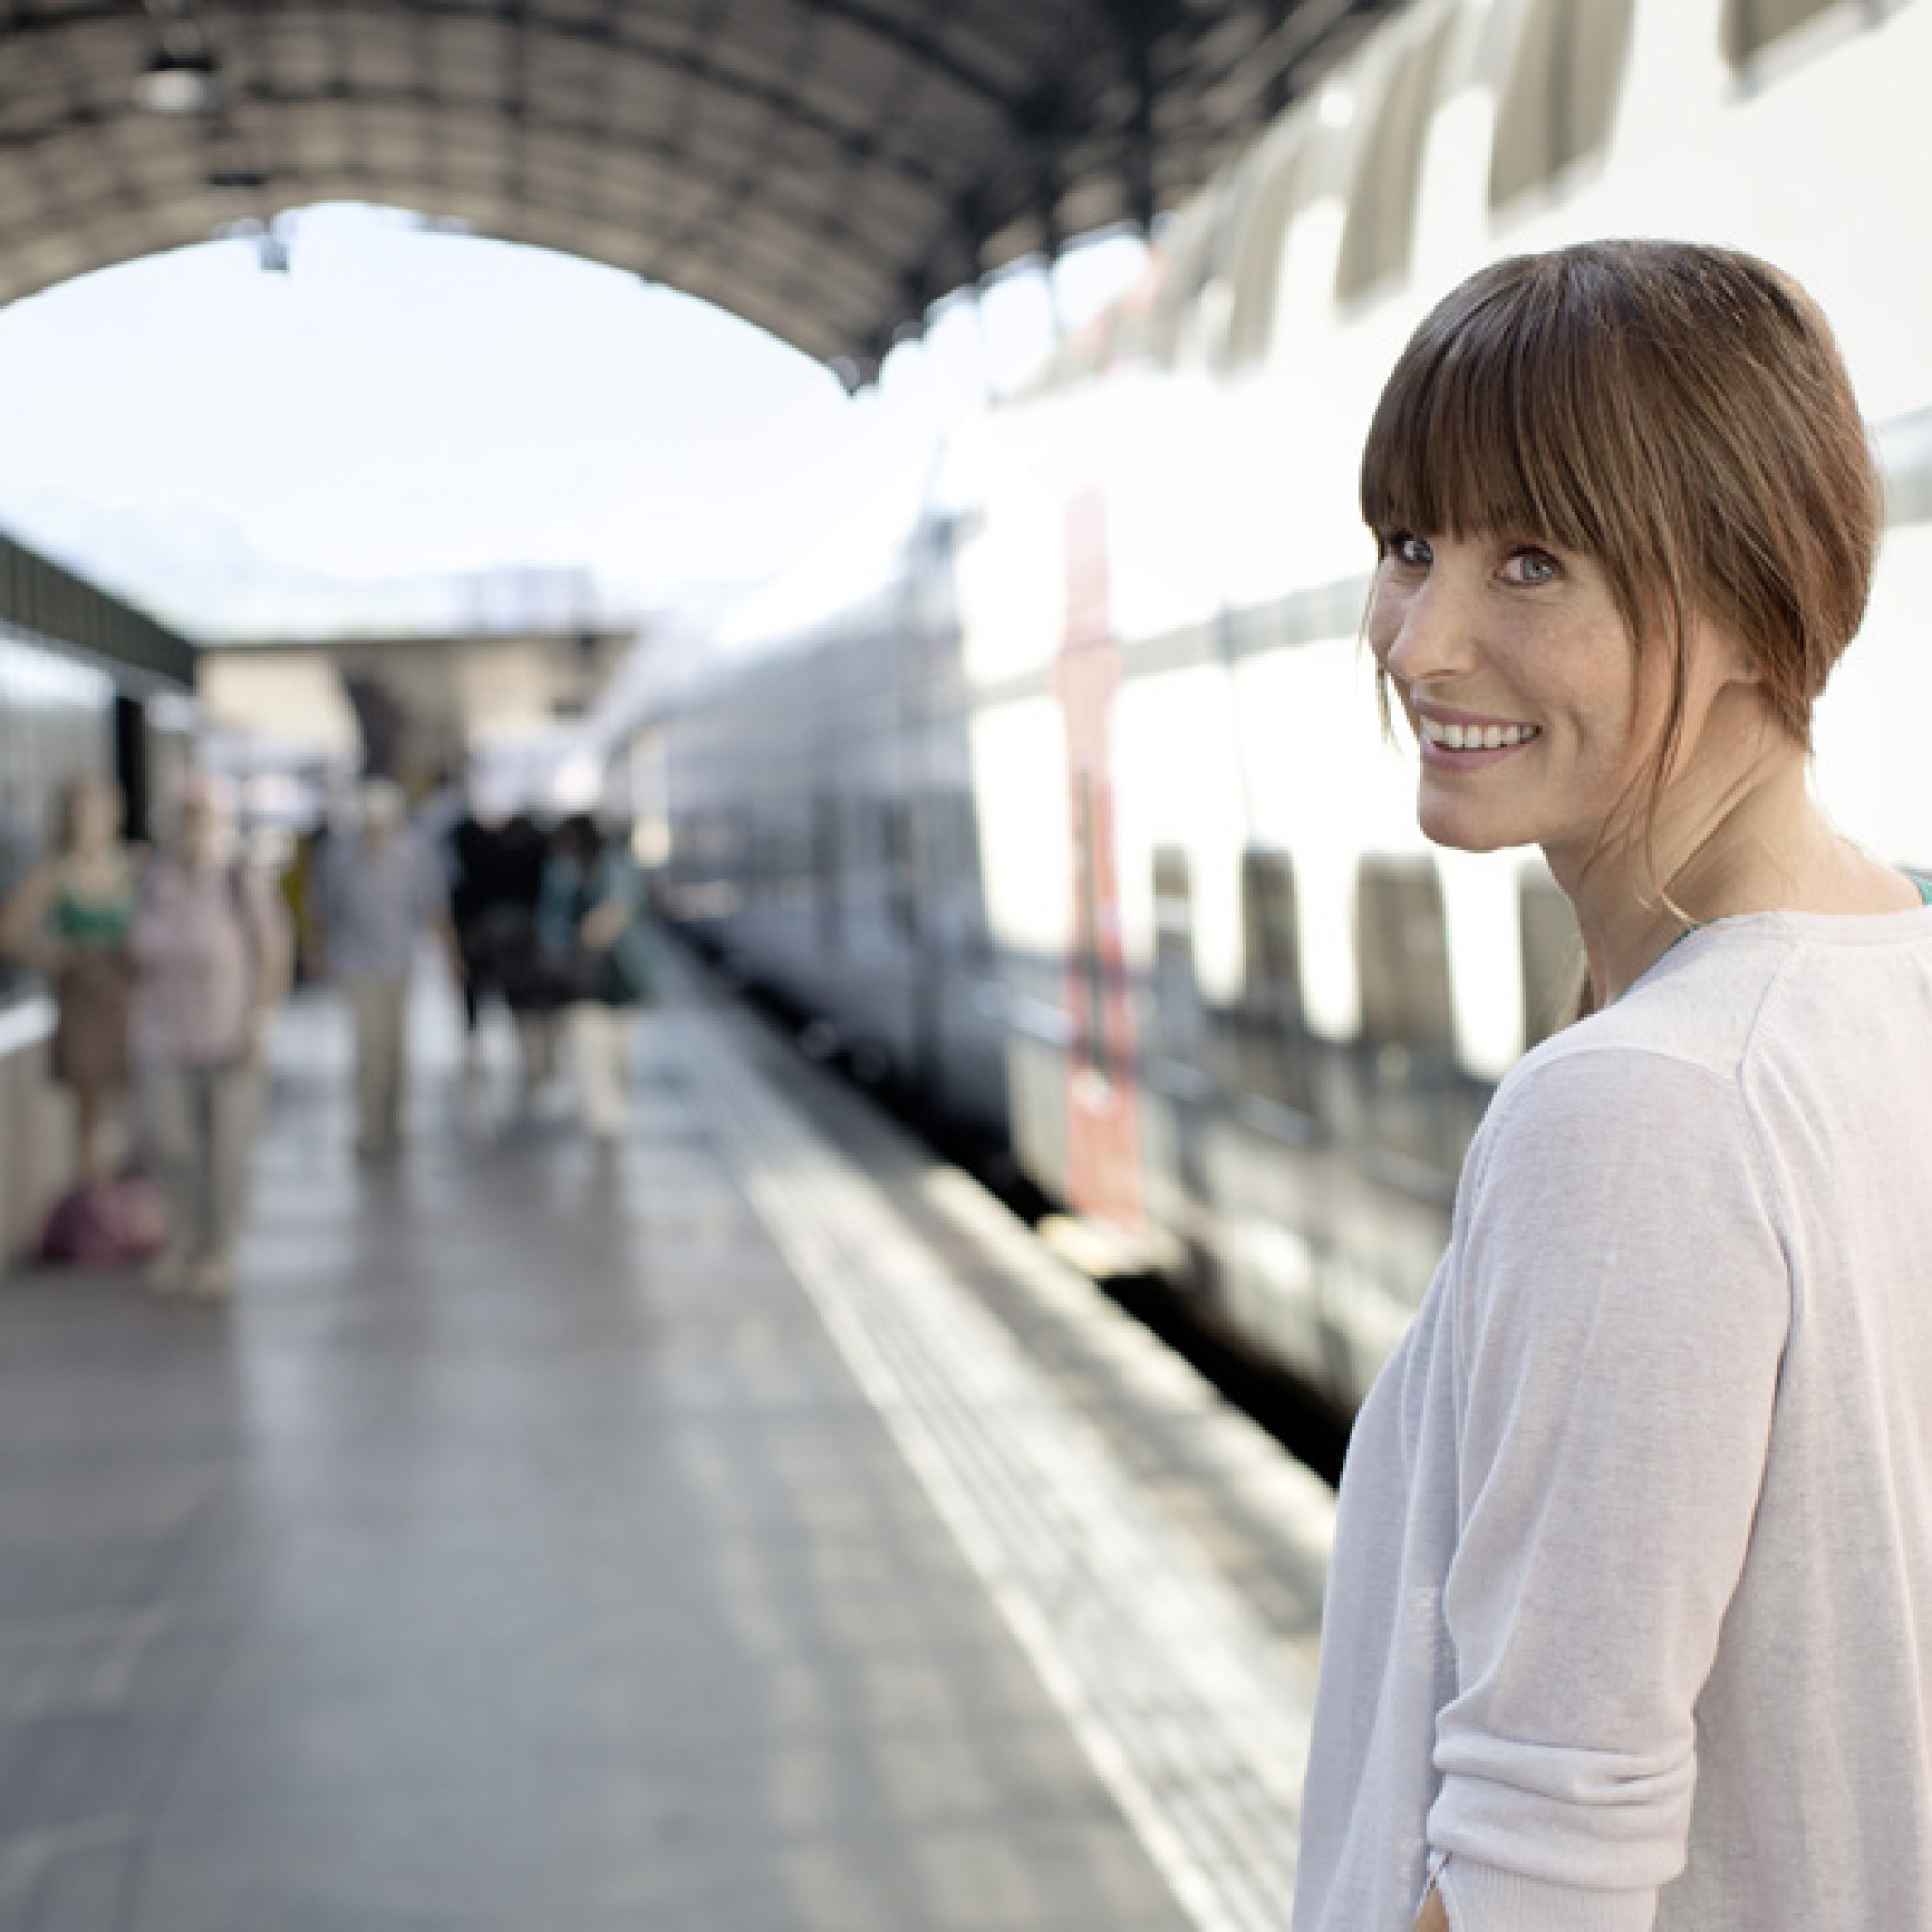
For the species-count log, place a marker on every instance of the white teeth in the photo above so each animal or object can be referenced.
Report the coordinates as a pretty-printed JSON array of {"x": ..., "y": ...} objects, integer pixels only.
[{"x": 1476, "y": 737}]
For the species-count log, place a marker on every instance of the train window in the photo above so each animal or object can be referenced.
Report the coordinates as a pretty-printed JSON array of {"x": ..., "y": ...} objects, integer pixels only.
[
  {"x": 1271, "y": 1047},
  {"x": 1176, "y": 992},
  {"x": 1189, "y": 251},
  {"x": 958, "y": 884},
  {"x": 756, "y": 850},
  {"x": 1559, "y": 102},
  {"x": 1552, "y": 956},
  {"x": 1416, "y": 1106},
  {"x": 1091, "y": 937},
  {"x": 1905, "y": 455},
  {"x": 1404, "y": 955},
  {"x": 1261, "y": 242},
  {"x": 901, "y": 857},
  {"x": 1380, "y": 227},
  {"x": 828, "y": 871},
  {"x": 1127, "y": 326},
  {"x": 1752, "y": 25}
]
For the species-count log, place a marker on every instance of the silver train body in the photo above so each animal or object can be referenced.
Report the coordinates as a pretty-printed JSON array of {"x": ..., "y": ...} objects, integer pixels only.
[{"x": 1056, "y": 784}]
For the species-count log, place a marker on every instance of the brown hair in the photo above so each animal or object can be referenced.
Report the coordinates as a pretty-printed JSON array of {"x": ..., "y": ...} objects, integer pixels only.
[{"x": 1679, "y": 414}]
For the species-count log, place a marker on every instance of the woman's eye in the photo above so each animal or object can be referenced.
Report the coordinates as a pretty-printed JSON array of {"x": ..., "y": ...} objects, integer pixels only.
[
  {"x": 1414, "y": 551},
  {"x": 1531, "y": 566}
]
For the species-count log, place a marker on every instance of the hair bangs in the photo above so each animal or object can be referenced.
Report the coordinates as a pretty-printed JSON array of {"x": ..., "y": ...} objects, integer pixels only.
[{"x": 1493, "y": 420}]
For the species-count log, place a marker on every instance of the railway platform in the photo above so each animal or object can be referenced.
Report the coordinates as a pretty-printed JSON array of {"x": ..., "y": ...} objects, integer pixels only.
[{"x": 746, "y": 1528}]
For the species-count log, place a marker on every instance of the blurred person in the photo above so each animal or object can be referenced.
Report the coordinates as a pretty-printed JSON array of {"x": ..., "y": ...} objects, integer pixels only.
[
  {"x": 495, "y": 870},
  {"x": 472, "y": 844},
  {"x": 593, "y": 930},
  {"x": 299, "y": 892},
  {"x": 70, "y": 918},
  {"x": 1630, "y": 1616},
  {"x": 380, "y": 890},
  {"x": 516, "y": 951},
  {"x": 211, "y": 946}
]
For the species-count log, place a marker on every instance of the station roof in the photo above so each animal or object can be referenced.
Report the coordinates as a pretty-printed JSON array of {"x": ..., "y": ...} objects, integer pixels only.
[{"x": 825, "y": 168}]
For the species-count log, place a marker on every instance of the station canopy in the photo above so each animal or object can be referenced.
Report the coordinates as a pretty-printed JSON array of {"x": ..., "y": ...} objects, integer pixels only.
[{"x": 827, "y": 169}]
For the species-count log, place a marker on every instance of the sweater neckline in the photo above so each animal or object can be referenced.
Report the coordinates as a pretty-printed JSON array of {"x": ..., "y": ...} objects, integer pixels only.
[{"x": 1854, "y": 928}]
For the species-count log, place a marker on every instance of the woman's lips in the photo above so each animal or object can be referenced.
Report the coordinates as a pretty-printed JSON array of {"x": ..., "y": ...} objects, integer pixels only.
[{"x": 1464, "y": 741}]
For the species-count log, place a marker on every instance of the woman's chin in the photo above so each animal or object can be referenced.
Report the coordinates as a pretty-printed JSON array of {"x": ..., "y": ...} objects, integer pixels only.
[{"x": 1464, "y": 831}]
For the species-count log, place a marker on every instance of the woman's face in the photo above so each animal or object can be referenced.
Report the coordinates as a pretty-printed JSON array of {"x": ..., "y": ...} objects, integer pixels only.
[
  {"x": 96, "y": 819},
  {"x": 199, "y": 827},
  {"x": 1513, "y": 663}
]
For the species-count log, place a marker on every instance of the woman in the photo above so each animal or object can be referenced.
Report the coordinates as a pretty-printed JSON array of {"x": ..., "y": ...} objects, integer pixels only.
[
  {"x": 211, "y": 943},
  {"x": 1630, "y": 1623},
  {"x": 591, "y": 929},
  {"x": 71, "y": 917}
]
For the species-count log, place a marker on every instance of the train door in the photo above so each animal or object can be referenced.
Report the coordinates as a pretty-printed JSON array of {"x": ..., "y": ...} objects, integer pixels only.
[
  {"x": 828, "y": 873},
  {"x": 1180, "y": 1074},
  {"x": 1408, "y": 1027},
  {"x": 1273, "y": 1033},
  {"x": 1416, "y": 1110},
  {"x": 1177, "y": 988},
  {"x": 1103, "y": 1124}
]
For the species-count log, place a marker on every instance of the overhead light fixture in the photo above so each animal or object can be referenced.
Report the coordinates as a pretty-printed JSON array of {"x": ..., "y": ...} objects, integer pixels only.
[{"x": 178, "y": 84}]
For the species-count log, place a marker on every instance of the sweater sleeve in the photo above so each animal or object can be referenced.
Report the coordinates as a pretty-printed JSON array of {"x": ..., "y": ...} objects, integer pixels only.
[{"x": 1624, "y": 1303}]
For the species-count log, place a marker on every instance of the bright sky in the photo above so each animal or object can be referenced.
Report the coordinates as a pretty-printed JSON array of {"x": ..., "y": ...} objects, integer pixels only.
[{"x": 227, "y": 446}]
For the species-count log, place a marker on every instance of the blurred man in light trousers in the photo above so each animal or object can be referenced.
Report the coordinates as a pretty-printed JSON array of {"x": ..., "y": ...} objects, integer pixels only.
[{"x": 380, "y": 891}]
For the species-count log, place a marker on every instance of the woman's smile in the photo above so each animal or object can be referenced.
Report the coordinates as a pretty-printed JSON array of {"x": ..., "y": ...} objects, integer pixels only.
[{"x": 1464, "y": 741}]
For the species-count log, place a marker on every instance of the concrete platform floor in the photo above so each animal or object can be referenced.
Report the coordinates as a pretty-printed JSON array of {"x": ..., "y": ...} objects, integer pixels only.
[{"x": 519, "y": 1551}]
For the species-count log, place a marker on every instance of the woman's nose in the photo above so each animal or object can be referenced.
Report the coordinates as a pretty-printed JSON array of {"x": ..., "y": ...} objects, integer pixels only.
[{"x": 1425, "y": 635}]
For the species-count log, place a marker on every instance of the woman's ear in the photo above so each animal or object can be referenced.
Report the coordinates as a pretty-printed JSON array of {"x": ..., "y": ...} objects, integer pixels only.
[
  {"x": 1730, "y": 659},
  {"x": 1717, "y": 660}
]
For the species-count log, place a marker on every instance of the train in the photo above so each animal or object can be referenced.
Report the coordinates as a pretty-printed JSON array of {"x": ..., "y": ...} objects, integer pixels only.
[{"x": 1053, "y": 788}]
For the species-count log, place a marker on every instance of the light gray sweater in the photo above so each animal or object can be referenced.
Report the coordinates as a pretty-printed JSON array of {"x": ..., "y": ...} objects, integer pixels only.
[{"x": 1630, "y": 1624}]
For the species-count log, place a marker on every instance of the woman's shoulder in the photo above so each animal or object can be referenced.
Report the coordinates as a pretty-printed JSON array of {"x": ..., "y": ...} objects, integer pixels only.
[
  {"x": 1607, "y": 1083},
  {"x": 1636, "y": 1039},
  {"x": 1603, "y": 1143},
  {"x": 1698, "y": 1010},
  {"x": 1648, "y": 1096}
]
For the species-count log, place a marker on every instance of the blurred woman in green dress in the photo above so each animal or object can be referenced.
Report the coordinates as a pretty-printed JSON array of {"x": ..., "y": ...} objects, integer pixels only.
[{"x": 70, "y": 918}]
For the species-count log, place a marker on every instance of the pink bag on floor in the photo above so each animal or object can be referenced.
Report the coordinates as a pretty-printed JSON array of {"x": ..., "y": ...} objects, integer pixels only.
[{"x": 106, "y": 1222}]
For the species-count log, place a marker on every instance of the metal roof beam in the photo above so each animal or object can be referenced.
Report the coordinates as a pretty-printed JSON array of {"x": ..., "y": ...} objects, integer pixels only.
[
  {"x": 877, "y": 22},
  {"x": 795, "y": 215},
  {"x": 687, "y": 64},
  {"x": 922, "y": 43},
  {"x": 908, "y": 167},
  {"x": 957, "y": 136}
]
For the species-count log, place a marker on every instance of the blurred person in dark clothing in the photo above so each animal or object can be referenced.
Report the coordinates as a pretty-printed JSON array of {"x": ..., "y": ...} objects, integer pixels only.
[
  {"x": 495, "y": 868},
  {"x": 523, "y": 854}
]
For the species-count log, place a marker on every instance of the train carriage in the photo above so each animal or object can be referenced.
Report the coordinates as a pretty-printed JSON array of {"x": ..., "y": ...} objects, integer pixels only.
[{"x": 1058, "y": 786}]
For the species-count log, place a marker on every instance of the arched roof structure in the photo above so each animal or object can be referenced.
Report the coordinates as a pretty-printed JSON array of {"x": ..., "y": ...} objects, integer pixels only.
[{"x": 825, "y": 168}]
